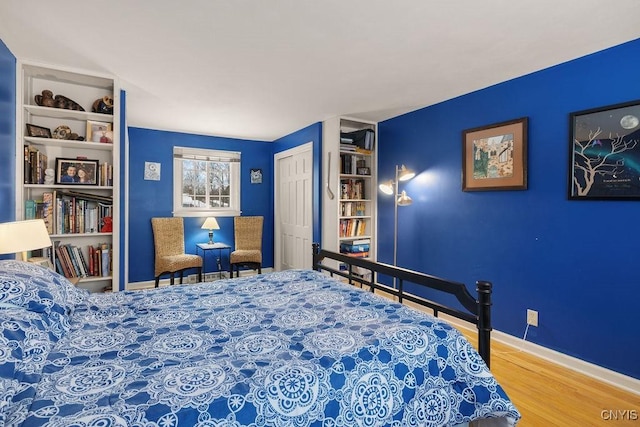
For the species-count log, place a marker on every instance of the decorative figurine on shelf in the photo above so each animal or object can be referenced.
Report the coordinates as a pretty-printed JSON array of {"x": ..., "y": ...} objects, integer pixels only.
[
  {"x": 59, "y": 101},
  {"x": 103, "y": 105},
  {"x": 62, "y": 132},
  {"x": 107, "y": 225},
  {"x": 66, "y": 103},
  {"x": 46, "y": 99}
]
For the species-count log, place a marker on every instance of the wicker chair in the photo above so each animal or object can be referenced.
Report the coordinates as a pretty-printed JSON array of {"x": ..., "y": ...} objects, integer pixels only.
[
  {"x": 248, "y": 240},
  {"x": 168, "y": 239}
]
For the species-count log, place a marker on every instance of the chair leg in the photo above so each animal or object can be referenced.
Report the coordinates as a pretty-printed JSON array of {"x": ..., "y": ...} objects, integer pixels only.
[
  {"x": 172, "y": 279},
  {"x": 199, "y": 274},
  {"x": 181, "y": 274},
  {"x": 260, "y": 269},
  {"x": 157, "y": 281}
]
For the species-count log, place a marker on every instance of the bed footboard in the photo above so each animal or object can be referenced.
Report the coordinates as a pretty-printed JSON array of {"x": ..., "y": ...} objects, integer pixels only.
[{"x": 478, "y": 310}]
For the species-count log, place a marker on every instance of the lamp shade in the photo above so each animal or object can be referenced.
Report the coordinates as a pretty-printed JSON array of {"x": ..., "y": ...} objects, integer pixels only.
[
  {"x": 404, "y": 200},
  {"x": 386, "y": 187},
  {"x": 210, "y": 224},
  {"x": 405, "y": 174},
  {"x": 22, "y": 236}
]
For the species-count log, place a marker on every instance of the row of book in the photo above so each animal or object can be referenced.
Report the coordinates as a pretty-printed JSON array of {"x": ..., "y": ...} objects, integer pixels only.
[
  {"x": 68, "y": 212},
  {"x": 35, "y": 164},
  {"x": 71, "y": 261},
  {"x": 353, "y": 208},
  {"x": 353, "y": 164},
  {"x": 352, "y": 227},
  {"x": 352, "y": 189}
]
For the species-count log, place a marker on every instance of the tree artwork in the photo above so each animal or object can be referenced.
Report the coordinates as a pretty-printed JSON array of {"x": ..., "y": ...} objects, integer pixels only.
[
  {"x": 595, "y": 157},
  {"x": 605, "y": 153}
]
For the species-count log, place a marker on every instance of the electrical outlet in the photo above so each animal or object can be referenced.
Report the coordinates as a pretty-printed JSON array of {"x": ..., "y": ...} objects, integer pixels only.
[
  {"x": 192, "y": 278},
  {"x": 532, "y": 317}
]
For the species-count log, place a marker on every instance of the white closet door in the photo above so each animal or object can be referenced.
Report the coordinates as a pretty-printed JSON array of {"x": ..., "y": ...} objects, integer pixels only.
[{"x": 293, "y": 208}]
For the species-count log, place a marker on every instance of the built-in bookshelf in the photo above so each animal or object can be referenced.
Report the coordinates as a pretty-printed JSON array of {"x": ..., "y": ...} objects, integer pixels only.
[
  {"x": 349, "y": 218},
  {"x": 68, "y": 132}
]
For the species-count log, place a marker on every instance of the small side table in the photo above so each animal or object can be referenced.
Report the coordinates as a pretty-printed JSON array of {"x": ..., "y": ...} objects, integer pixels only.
[{"x": 214, "y": 246}]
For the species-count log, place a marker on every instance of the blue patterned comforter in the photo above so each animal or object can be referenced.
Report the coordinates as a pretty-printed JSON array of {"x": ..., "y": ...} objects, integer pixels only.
[{"x": 293, "y": 348}]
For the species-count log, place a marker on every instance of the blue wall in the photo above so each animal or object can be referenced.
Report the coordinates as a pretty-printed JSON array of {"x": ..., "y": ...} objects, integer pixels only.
[
  {"x": 312, "y": 133},
  {"x": 573, "y": 261},
  {"x": 149, "y": 199},
  {"x": 7, "y": 134}
]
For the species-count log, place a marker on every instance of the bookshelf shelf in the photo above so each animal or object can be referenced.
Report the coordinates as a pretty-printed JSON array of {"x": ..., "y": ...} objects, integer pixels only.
[
  {"x": 348, "y": 239},
  {"x": 70, "y": 235},
  {"x": 60, "y": 113},
  {"x": 73, "y": 212},
  {"x": 96, "y": 278},
  {"x": 69, "y": 187},
  {"x": 81, "y": 145}
]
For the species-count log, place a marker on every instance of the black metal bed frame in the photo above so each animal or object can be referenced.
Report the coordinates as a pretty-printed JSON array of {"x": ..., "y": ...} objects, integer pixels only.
[{"x": 479, "y": 311}]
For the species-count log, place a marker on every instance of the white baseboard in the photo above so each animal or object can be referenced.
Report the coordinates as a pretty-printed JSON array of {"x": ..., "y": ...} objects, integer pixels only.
[
  {"x": 597, "y": 372},
  {"x": 150, "y": 284}
]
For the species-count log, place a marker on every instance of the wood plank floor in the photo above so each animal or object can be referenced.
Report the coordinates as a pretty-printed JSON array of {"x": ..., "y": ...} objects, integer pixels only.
[{"x": 547, "y": 394}]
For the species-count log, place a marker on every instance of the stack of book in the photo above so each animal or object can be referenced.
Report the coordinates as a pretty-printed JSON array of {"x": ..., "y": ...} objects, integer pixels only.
[
  {"x": 356, "y": 248},
  {"x": 363, "y": 139}
]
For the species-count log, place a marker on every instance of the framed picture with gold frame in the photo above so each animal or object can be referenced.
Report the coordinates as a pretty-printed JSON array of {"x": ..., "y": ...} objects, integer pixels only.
[
  {"x": 494, "y": 157},
  {"x": 99, "y": 132}
]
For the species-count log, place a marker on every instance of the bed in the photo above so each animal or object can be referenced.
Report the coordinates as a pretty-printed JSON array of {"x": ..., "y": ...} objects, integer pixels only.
[{"x": 292, "y": 348}]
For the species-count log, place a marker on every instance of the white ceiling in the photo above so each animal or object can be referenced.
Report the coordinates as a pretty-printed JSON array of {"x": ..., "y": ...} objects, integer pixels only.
[{"x": 261, "y": 69}]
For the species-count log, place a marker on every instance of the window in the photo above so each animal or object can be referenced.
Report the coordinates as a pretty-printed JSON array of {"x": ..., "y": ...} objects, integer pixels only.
[{"x": 206, "y": 182}]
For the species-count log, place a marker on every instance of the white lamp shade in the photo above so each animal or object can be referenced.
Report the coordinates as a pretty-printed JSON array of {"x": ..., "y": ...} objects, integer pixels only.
[
  {"x": 210, "y": 224},
  {"x": 405, "y": 174},
  {"x": 404, "y": 200},
  {"x": 22, "y": 236},
  {"x": 386, "y": 187}
]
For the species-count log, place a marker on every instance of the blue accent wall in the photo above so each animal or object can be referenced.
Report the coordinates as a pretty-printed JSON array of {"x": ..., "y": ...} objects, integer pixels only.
[
  {"x": 7, "y": 136},
  {"x": 575, "y": 262},
  {"x": 148, "y": 199},
  {"x": 312, "y": 133}
]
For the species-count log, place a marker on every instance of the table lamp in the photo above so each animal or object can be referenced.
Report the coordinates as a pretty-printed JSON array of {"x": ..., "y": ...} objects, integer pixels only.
[
  {"x": 23, "y": 236},
  {"x": 210, "y": 224}
]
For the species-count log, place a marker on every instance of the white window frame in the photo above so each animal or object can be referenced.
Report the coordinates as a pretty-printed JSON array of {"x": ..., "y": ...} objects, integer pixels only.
[{"x": 188, "y": 153}]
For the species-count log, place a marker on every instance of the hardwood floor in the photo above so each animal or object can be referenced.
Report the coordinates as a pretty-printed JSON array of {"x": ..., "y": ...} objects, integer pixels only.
[{"x": 547, "y": 394}]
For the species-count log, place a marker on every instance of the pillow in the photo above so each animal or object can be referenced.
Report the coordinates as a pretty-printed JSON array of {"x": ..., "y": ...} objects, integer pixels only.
[
  {"x": 25, "y": 343},
  {"x": 40, "y": 290}
]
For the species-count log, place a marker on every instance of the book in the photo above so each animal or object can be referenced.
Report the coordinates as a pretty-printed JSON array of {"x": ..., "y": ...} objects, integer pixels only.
[
  {"x": 349, "y": 247},
  {"x": 47, "y": 210},
  {"x": 29, "y": 209},
  {"x": 357, "y": 254},
  {"x": 361, "y": 242},
  {"x": 106, "y": 265},
  {"x": 27, "y": 166}
]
